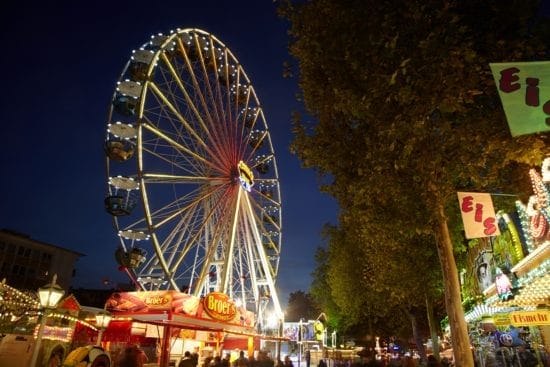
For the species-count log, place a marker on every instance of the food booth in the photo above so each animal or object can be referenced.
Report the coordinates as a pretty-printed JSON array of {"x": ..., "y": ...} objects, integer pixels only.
[{"x": 165, "y": 324}]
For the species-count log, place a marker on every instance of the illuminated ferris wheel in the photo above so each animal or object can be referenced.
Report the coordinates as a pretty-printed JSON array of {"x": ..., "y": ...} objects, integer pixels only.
[{"x": 193, "y": 186}]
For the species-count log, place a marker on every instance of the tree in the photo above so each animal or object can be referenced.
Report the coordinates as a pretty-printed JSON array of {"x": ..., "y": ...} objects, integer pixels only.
[
  {"x": 320, "y": 289},
  {"x": 300, "y": 305},
  {"x": 386, "y": 286},
  {"x": 406, "y": 110}
]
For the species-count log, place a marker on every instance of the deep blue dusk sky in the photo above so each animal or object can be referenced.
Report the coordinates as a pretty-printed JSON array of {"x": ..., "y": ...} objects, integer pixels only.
[{"x": 60, "y": 64}]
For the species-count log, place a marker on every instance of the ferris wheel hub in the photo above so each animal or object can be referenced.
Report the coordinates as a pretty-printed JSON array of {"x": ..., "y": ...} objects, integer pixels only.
[{"x": 246, "y": 177}]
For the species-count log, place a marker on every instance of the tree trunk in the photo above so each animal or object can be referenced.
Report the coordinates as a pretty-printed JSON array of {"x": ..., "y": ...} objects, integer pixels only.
[
  {"x": 453, "y": 301},
  {"x": 417, "y": 337},
  {"x": 433, "y": 327}
]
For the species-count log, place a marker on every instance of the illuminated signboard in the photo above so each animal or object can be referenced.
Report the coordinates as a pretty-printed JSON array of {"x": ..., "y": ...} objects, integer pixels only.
[{"x": 219, "y": 306}]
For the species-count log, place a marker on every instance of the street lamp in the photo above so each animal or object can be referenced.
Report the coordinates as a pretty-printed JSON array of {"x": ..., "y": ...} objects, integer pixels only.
[
  {"x": 49, "y": 296},
  {"x": 102, "y": 320}
]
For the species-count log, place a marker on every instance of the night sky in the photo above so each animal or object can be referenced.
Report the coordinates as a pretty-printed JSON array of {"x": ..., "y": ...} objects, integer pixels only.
[{"x": 60, "y": 63}]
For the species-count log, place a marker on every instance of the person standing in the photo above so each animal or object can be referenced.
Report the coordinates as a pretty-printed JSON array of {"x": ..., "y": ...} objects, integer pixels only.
[
  {"x": 216, "y": 362},
  {"x": 288, "y": 362},
  {"x": 187, "y": 360},
  {"x": 141, "y": 357},
  {"x": 195, "y": 357},
  {"x": 432, "y": 361},
  {"x": 524, "y": 358},
  {"x": 226, "y": 360},
  {"x": 132, "y": 357},
  {"x": 242, "y": 361},
  {"x": 55, "y": 360}
]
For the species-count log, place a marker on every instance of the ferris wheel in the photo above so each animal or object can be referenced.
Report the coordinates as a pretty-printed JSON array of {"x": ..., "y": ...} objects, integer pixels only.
[{"x": 193, "y": 185}]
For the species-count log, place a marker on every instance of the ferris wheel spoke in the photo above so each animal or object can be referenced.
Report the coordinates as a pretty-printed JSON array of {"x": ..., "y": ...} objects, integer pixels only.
[
  {"x": 188, "y": 100},
  {"x": 226, "y": 76},
  {"x": 170, "y": 249},
  {"x": 178, "y": 179},
  {"x": 195, "y": 82},
  {"x": 213, "y": 123},
  {"x": 264, "y": 263},
  {"x": 216, "y": 153},
  {"x": 209, "y": 94},
  {"x": 171, "y": 244},
  {"x": 175, "y": 159},
  {"x": 210, "y": 248},
  {"x": 208, "y": 217},
  {"x": 177, "y": 145},
  {"x": 173, "y": 109},
  {"x": 191, "y": 104},
  {"x": 215, "y": 254},
  {"x": 184, "y": 204}
]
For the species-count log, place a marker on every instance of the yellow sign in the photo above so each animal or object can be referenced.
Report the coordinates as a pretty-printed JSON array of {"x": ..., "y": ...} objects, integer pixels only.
[
  {"x": 501, "y": 319},
  {"x": 219, "y": 306},
  {"x": 530, "y": 318}
]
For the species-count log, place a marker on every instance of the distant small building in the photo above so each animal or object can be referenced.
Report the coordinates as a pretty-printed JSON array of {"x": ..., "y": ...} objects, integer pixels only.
[{"x": 27, "y": 263}]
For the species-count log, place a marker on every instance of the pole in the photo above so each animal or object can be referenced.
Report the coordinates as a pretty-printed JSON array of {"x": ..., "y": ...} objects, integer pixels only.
[
  {"x": 38, "y": 342},
  {"x": 99, "y": 336},
  {"x": 165, "y": 346},
  {"x": 279, "y": 335}
]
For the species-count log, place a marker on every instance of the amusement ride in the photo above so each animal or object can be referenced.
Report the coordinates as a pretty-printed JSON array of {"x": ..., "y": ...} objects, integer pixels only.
[{"x": 193, "y": 187}]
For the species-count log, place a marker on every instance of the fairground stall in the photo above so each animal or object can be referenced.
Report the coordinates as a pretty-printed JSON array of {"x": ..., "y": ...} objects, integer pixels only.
[
  {"x": 511, "y": 271},
  {"x": 166, "y": 324},
  {"x": 31, "y": 335}
]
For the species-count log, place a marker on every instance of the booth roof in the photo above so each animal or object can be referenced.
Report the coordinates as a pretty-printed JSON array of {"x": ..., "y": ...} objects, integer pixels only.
[{"x": 194, "y": 323}]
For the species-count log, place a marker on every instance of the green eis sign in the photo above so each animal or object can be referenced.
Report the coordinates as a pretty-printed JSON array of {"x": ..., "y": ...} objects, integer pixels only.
[{"x": 524, "y": 89}]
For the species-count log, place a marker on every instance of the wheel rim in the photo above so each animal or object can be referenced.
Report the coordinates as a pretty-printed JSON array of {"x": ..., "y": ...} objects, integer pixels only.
[{"x": 204, "y": 172}]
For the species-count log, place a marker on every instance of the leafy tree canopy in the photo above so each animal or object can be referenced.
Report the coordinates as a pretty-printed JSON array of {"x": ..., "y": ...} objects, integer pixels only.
[{"x": 406, "y": 114}]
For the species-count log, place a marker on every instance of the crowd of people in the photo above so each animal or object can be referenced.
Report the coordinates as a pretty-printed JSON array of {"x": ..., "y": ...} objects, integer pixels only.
[
  {"x": 398, "y": 361},
  {"x": 520, "y": 357},
  {"x": 133, "y": 356},
  {"x": 262, "y": 360}
]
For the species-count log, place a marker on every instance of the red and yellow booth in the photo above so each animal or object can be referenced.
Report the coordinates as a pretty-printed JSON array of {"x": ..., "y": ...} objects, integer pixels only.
[{"x": 172, "y": 322}]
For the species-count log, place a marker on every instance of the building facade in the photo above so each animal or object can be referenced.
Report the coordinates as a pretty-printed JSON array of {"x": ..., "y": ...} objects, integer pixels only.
[{"x": 29, "y": 264}]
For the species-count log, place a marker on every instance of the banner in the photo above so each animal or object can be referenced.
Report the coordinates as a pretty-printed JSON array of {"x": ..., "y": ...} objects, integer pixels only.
[
  {"x": 478, "y": 214},
  {"x": 215, "y": 305},
  {"x": 530, "y": 318},
  {"x": 524, "y": 89}
]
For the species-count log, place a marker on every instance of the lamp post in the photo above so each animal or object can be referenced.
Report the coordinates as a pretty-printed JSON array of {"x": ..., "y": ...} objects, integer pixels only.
[
  {"x": 49, "y": 296},
  {"x": 102, "y": 320}
]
